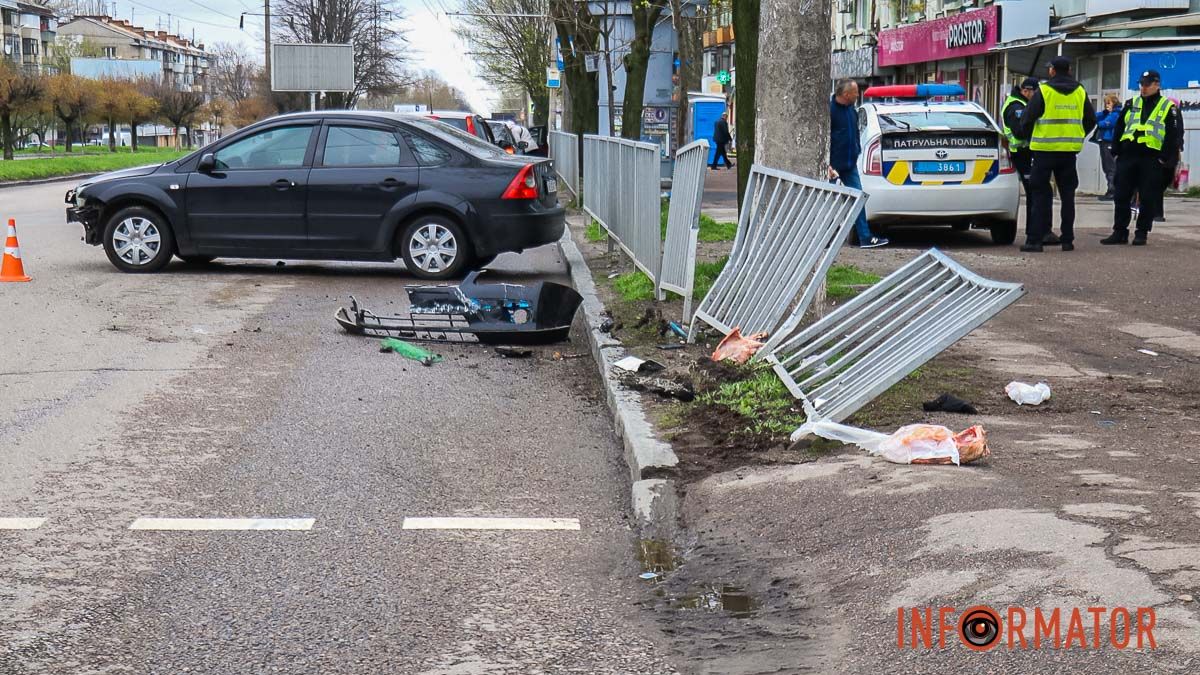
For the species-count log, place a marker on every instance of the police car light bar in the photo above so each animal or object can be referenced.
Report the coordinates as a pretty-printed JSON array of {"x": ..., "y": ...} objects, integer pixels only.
[{"x": 914, "y": 91}]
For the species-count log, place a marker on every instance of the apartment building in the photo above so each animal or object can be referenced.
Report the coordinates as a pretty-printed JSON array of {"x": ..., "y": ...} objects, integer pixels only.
[
  {"x": 182, "y": 62},
  {"x": 27, "y": 33}
]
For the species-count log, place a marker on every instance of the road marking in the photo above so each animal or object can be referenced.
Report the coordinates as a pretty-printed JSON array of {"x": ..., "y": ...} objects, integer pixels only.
[
  {"x": 490, "y": 524},
  {"x": 21, "y": 523},
  {"x": 199, "y": 524}
]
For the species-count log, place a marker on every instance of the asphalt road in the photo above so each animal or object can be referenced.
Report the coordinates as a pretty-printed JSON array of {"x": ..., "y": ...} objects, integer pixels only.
[{"x": 228, "y": 391}]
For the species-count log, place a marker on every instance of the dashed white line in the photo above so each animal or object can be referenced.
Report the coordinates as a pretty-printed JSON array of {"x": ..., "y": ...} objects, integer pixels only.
[
  {"x": 21, "y": 523},
  {"x": 490, "y": 524},
  {"x": 219, "y": 524}
]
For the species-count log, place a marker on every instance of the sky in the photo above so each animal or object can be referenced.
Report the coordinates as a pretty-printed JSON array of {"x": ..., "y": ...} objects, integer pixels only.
[{"x": 430, "y": 36}]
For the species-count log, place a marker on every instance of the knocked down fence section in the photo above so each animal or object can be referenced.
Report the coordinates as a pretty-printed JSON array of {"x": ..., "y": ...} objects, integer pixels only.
[
  {"x": 620, "y": 191},
  {"x": 564, "y": 150},
  {"x": 841, "y": 362},
  {"x": 683, "y": 223},
  {"x": 789, "y": 232}
]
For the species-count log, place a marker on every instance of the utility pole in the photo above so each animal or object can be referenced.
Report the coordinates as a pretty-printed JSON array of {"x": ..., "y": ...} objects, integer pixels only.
[{"x": 267, "y": 40}]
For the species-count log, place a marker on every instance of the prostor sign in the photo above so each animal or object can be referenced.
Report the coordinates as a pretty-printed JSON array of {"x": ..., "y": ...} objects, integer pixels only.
[
  {"x": 964, "y": 34},
  {"x": 950, "y": 37}
]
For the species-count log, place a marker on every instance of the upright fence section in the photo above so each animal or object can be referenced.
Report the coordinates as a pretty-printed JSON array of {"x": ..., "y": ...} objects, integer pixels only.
[
  {"x": 683, "y": 223},
  {"x": 855, "y": 353},
  {"x": 620, "y": 191},
  {"x": 789, "y": 232},
  {"x": 564, "y": 150}
]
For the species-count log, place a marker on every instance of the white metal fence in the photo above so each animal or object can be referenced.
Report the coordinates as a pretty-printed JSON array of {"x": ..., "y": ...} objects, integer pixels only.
[
  {"x": 620, "y": 190},
  {"x": 564, "y": 150},
  {"x": 683, "y": 223},
  {"x": 789, "y": 232},
  {"x": 855, "y": 353}
]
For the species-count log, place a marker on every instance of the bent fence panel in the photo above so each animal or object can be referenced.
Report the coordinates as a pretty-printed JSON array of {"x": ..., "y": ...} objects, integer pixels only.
[
  {"x": 855, "y": 353},
  {"x": 621, "y": 192},
  {"x": 789, "y": 231},
  {"x": 564, "y": 150},
  {"x": 683, "y": 223}
]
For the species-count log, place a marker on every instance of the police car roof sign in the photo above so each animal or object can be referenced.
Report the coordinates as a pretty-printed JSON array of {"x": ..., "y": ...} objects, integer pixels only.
[
  {"x": 312, "y": 67},
  {"x": 914, "y": 91}
]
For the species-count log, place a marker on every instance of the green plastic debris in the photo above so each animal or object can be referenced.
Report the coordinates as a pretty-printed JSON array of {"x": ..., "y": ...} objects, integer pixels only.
[{"x": 410, "y": 351}]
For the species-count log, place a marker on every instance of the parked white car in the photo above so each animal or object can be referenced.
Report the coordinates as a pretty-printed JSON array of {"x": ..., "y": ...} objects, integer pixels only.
[{"x": 928, "y": 163}]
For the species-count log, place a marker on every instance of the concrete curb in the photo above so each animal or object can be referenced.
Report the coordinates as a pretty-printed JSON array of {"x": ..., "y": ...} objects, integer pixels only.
[
  {"x": 41, "y": 181},
  {"x": 653, "y": 497}
]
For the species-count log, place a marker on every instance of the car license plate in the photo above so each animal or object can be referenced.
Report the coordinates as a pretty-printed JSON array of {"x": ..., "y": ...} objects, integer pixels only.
[
  {"x": 551, "y": 185},
  {"x": 939, "y": 167}
]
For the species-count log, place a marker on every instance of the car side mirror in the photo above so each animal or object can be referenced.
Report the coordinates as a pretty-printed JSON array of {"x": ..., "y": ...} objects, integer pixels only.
[
  {"x": 207, "y": 164},
  {"x": 523, "y": 145}
]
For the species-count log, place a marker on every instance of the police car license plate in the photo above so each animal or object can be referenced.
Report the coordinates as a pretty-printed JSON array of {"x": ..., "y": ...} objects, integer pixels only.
[
  {"x": 551, "y": 185},
  {"x": 939, "y": 167}
]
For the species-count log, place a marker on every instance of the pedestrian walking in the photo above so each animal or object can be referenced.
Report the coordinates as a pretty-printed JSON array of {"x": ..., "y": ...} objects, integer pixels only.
[
  {"x": 1106, "y": 123},
  {"x": 844, "y": 149},
  {"x": 1057, "y": 120},
  {"x": 1018, "y": 148},
  {"x": 721, "y": 139},
  {"x": 1149, "y": 143}
]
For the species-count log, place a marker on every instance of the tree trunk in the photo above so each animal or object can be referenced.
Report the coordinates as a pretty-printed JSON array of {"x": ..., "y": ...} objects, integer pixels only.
[
  {"x": 645, "y": 15},
  {"x": 112, "y": 135},
  {"x": 541, "y": 106},
  {"x": 793, "y": 87},
  {"x": 745, "y": 27},
  {"x": 133, "y": 139},
  {"x": 690, "y": 50},
  {"x": 7, "y": 131},
  {"x": 582, "y": 87},
  {"x": 69, "y": 139}
]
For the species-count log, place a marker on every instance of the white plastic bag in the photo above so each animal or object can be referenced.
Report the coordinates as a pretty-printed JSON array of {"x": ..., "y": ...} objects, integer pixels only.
[
  {"x": 1025, "y": 394},
  {"x": 920, "y": 443}
]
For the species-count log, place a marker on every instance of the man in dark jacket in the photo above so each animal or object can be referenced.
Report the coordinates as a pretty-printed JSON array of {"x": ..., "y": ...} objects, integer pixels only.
[
  {"x": 1018, "y": 148},
  {"x": 844, "y": 149},
  {"x": 721, "y": 139},
  {"x": 1057, "y": 120},
  {"x": 1148, "y": 142}
]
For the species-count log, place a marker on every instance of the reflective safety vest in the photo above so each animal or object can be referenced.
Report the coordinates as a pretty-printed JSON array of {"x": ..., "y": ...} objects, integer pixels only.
[
  {"x": 1154, "y": 130},
  {"x": 1014, "y": 143},
  {"x": 1060, "y": 128}
]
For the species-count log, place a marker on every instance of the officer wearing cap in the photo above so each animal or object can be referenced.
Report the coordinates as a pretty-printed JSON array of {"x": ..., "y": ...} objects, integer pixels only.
[
  {"x": 1149, "y": 140},
  {"x": 1018, "y": 148},
  {"x": 1056, "y": 121}
]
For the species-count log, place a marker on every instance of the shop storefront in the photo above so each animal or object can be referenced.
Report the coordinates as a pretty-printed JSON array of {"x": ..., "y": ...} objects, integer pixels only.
[{"x": 952, "y": 50}]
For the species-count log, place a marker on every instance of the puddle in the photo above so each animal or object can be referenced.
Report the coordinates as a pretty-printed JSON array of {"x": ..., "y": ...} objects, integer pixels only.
[
  {"x": 732, "y": 599},
  {"x": 656, "y": 555}
]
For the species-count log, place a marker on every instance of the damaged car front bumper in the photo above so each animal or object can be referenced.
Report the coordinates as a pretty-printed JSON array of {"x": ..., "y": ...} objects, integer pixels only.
[{"x": 88, "y": 215}]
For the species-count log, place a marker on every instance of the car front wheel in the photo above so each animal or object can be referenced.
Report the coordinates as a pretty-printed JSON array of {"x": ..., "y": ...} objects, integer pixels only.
[
  {"x": 434, "y": 247},
  {"x": 1004, "y": 233},
  {"x": 138, "y": 240}
]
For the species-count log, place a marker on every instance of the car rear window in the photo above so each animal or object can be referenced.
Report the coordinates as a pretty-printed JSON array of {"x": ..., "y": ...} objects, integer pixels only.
[
  {"x": 457, "y": 123},
  {"x": 934, "y": 120},
  {"x": 458, "y": 138}
]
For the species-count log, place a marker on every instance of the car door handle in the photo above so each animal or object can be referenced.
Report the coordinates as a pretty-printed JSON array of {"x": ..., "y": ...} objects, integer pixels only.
[
  {"x": 391, "y": 183},
  {"x": 283, "y": 184}
]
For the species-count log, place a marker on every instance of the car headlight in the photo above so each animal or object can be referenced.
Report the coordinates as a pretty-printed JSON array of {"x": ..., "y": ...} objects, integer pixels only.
[{"x": 80, "y": 200}]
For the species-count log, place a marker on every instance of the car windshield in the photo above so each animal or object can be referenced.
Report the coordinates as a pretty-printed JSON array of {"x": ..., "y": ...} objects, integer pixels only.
[
  {"x": 461, "y": 139},
  {"x": 934, "y": 120}
]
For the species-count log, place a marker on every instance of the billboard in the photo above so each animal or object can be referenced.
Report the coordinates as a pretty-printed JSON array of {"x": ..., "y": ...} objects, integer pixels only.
[{"x": 312, "y": 67}]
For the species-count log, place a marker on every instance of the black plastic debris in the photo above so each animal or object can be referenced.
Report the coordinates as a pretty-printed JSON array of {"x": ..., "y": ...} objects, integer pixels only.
[
  {"x": 949, "y": 403},
  {"x": 494, "y": 314},
  {"x": 514, "y": 352}
]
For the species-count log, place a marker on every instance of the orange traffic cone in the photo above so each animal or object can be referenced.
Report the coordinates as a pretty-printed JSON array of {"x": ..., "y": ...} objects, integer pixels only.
[{"x": 11, "y": 269}]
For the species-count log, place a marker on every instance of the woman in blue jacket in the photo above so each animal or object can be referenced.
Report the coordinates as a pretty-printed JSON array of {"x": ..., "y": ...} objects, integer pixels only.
[{"x": 1106, "y": 122}]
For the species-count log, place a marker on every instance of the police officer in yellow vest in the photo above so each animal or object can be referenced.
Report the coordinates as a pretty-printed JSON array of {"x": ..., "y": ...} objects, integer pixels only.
[
  {"x": 1018, "y": 148},
  {"x": 1147, "y": 141},
  {"x": 1057, "y": 120}
]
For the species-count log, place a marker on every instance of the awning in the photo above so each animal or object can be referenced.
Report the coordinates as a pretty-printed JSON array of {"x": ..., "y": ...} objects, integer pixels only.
[
  {"x": 1170, "y": 21},
  {"x": 1029, "y": 43},
  {"x": 8, "y": 4}
]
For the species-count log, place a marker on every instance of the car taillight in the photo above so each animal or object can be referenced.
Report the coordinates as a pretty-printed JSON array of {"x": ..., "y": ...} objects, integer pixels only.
[
  {"x": 1006, "y": 165},
  {"x": 874, "y": 159},
  {"x": 524, "y": 186},
  {"x": 471, "y": 126}
]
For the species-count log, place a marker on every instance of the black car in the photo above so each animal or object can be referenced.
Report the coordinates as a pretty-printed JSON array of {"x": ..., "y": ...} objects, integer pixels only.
[{"x": 328, "y": 185}]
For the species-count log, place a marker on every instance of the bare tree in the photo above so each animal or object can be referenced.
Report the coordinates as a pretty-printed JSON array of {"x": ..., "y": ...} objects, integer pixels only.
[
  {"x": 508, "y": 39},
  {"x": 645, "y": 14},
  {"x": 72, "y": 99},
  {"x": 176, "y": 106},
  {"x": 578, "y": 32},
  {"x": 232, "y": 72},
  {"x": 792, "y": 121},
  {"x": 18, "y": 91},
  {"x": 689, "y": 27},
  {"x": 370, "y": 25}
]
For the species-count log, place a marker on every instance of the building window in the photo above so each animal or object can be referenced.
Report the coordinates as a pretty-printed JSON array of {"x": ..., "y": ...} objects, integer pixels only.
[
  {"x": 110, "y": 52},
  {"x": 29, "y": 46}
]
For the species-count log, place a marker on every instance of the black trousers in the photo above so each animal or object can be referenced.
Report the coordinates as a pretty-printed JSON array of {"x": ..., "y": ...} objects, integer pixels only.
[
  {"x": 1022, "y": 161},
  {"x": 1144, "y": 175},
  {"x": 721, "y": 154},
  {"x": 1060, "y": 166}
]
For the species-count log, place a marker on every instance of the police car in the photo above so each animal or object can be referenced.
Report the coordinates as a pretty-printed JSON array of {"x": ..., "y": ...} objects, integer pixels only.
[{"x": 935, "y": 162}]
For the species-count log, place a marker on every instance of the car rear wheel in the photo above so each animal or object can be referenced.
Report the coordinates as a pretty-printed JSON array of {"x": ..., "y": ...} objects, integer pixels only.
[
  {"x": 138, "y": 240},
  {"x": 434, "y": 247},
  {"x": 1004, "y": 233}
]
